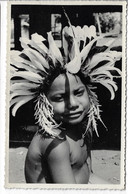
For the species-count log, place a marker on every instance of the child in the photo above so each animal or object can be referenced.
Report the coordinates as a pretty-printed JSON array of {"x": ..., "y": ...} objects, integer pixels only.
[
  {"x": 65, "y": 156},
  {"x": 66, "y": 106}
]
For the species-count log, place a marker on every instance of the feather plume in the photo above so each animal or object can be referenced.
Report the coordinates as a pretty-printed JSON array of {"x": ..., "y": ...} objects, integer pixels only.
[
  {"x": 21, "y": 93},
  {"x": 34, "y": 58},
  {"x": 25, "y": 66},
  {"x": 74, "y": 65},
  {"x": 44, "y": 116},
  {"x": 22, "y": 86},
  {"x": 18, "y": 98},
  {"x": 53, "y": 49},
  {"x": 31, "y": 67},
  {"x": 85, "y": 51},
  {"x": 33, "y": 77},
  {"x": 74, "y": 53},
  {"x": 19, "y": 103},
  {"x": 93, "y": 113}
]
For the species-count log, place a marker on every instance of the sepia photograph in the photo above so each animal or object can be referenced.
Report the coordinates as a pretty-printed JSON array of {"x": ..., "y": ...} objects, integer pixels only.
[{"x": 65, "y": 112}]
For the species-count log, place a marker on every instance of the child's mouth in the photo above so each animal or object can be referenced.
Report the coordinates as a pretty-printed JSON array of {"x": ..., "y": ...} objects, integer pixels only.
[{"x": 74, "y": 115}]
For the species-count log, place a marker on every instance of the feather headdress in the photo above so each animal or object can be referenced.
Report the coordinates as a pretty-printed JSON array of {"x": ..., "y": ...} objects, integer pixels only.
[{"x": 37, "y": 65}]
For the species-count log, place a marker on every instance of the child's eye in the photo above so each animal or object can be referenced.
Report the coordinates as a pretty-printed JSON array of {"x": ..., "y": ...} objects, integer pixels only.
[
  {"x": 58, "y": 98},
  {"x": 79, "y": 92}
]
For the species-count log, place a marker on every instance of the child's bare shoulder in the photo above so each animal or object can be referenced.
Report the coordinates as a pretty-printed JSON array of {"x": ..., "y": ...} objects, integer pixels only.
[
  {"x": 57, "y": 147},
  {"x": 44, "y": 145}
]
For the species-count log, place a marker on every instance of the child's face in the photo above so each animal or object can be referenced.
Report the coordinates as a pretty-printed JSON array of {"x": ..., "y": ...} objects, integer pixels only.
[{"x": 69, "y": 98}]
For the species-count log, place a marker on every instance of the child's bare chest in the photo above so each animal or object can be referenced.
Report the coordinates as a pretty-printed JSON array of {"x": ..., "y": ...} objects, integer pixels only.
[
  {"x": 78, "y": 159},
  {"x": 78, "y": 153}
]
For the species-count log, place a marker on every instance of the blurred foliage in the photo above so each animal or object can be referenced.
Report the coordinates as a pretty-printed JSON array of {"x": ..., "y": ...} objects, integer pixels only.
[{"x": 108, "y": 21}]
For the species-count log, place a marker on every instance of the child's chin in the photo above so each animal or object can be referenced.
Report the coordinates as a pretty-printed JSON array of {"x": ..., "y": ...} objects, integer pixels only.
[{"x": 74, "y": 121}]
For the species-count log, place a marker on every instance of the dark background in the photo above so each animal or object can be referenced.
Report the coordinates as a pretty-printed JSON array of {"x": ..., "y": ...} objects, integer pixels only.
[{"x": 22, "y": 127}]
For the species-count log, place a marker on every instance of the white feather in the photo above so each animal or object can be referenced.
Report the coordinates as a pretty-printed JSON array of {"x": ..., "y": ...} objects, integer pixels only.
[{"x": 23, "y": 100}]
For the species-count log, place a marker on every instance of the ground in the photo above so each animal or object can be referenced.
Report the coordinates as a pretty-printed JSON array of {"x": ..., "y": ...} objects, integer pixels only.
[{"x": 106, "y": 164}]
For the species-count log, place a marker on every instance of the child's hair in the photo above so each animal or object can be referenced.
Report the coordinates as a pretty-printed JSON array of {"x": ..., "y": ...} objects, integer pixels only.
[{"x": 36, "y": 66}]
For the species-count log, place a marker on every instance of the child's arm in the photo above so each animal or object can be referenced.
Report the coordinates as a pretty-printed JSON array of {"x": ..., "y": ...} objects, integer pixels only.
[
  {"x": 33, "y": 167},
  {"x": 58, "y": 157}
]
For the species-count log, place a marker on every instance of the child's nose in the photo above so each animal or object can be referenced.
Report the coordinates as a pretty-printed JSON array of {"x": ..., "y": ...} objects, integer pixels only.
[{"x": 73, "y": 103}]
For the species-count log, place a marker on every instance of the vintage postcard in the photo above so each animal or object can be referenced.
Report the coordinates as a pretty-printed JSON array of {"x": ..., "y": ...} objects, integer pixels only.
[{"x": 66, "y": 91}]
